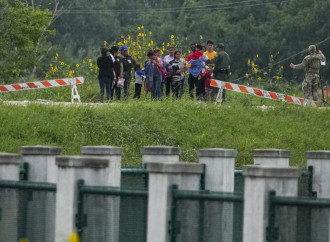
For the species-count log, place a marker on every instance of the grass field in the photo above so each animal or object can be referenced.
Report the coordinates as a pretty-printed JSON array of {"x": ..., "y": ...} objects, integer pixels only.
[{"x": 240, "y": 124}]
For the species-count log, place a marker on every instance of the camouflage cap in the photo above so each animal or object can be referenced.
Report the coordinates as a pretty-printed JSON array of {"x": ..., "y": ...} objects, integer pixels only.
[
  {"x": 221, "y": 45},
  {"x": 312, "y": 49}
]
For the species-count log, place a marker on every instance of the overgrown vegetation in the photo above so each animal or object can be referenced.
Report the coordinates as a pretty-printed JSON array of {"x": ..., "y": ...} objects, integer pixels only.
[{"x": 187, "y": 124}]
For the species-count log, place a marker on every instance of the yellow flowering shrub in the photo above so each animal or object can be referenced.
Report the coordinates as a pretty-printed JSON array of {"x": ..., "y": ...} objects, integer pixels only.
[{"x": 138, "y": 43}]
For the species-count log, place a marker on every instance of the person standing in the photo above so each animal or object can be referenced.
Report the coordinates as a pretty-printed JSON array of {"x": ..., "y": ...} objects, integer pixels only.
[
  {"x": 158, "y": 54},
  {"x": 208, "y": 77},
  {"x": 221, "y": 70},
  {"x": 118, "y": 69},
  {"x": 197, "y": 71},
  {"x": 191, "y": 79},
  {"x": 210, "y": 53},
  {"x": 138, "y": 80},
  {"x": 128, "y": 64},
  {"x": 178, "y": 69},
  {"x": 154, "y": 75},
  {"x": 105, "y": 64},
  {"x": 168, "y": 80},
  {"x": 311, "y": 65}
]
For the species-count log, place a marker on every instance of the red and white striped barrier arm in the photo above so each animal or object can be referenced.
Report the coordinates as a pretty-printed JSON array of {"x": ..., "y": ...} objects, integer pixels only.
[
  {"x": 41, "y": 84},
  {"x": 260, "y": 93}
]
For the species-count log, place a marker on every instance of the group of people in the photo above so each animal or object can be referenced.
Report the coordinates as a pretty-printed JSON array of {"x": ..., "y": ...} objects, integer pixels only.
[
  {"x": 115, "y": 67},
  {"x": 161, "y": 76}
]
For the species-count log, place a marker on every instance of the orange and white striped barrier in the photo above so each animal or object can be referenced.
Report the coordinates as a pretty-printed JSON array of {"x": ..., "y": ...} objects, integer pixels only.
[
  {"x": 47, "y": 84},
  {"x": 261, "y": 93},
  {"x": 41, "y": 84}
]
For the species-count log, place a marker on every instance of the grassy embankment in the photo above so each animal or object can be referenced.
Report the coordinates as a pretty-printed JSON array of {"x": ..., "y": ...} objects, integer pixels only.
[{"x": 238, "y": 124}]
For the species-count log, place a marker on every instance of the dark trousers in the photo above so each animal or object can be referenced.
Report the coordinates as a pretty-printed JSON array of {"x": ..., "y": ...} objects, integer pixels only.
[
  {"x": 177, "y": 89},
  {"x": 200, "y": 89},
  {"x": 105, "y": 83},
  {"x": 168, "y": 84},
  {"x": 222, "y": 77},
  {"x": 192, "y": 82},
  {"x": 214, "y": 94},
  {"x": 117, "y": 91},
  {"x": 127, "y": 77},
  {"x": 137, "y": 92}
]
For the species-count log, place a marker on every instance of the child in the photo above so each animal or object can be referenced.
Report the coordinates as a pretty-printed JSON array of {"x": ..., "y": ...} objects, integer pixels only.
[
  {"x": 208, "y": 77},
  {"x": 197, "y": 59},
  {"x": 139, "y": 74}
]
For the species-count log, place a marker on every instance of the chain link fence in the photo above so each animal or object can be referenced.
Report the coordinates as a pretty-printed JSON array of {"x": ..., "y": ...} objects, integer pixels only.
[
  {"x": 27, "y": 211},
  {"x": 112, "y": 214}
]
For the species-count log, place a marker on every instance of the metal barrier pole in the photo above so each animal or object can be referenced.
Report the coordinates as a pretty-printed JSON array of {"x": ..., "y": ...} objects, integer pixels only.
[
  {"x": 271, "y": 231},
  {"x": 173, "y": 223}
]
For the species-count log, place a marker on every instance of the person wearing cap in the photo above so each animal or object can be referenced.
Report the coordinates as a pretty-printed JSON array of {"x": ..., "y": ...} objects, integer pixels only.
[
  {"x": 311, "y": 65},
  {"x": 128, "y": 63},
  {"x": 221, "y": 69}
]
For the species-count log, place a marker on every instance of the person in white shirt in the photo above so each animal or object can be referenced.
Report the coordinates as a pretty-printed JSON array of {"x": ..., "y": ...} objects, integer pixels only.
[{"x": 167, "y": 60}]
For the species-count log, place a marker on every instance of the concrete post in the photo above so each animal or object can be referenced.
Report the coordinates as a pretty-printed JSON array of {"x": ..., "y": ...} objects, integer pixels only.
[
  {"x": 161, "y": 177},
  {"x": 113, "y": 173},
  {"x": 9, "y": 170},
  {"x": 271, "y": 157},
  {"x": 168, "y": 154},
  {"x": 41, "y": 160},
  {"x": 320, "y": 161},
  {"x": 259, "y": 181},
  {"x": 42, "y": 168},
  {"x": 113, "y": 154},
  {"x": 220, "y": 177},
  {"x": 70, "y": 170},
  {"x": 9, "y": 166},
  {"x": 219, "y": 168}
]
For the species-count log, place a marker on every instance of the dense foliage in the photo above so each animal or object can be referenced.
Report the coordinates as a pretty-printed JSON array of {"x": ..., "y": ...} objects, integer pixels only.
[
  {"x": 248, "y": 28},
  {"x": 23, "y": 34}
]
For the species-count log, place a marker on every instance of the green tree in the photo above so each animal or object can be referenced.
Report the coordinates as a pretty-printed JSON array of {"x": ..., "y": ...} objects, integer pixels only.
[{"x": 23, "y": 35}]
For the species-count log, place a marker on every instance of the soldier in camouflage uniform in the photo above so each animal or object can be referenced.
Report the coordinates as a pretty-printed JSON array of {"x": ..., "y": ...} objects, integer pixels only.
[
  {"x": 221, "y": 70},
  {"x": 311, "y": 66}
]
